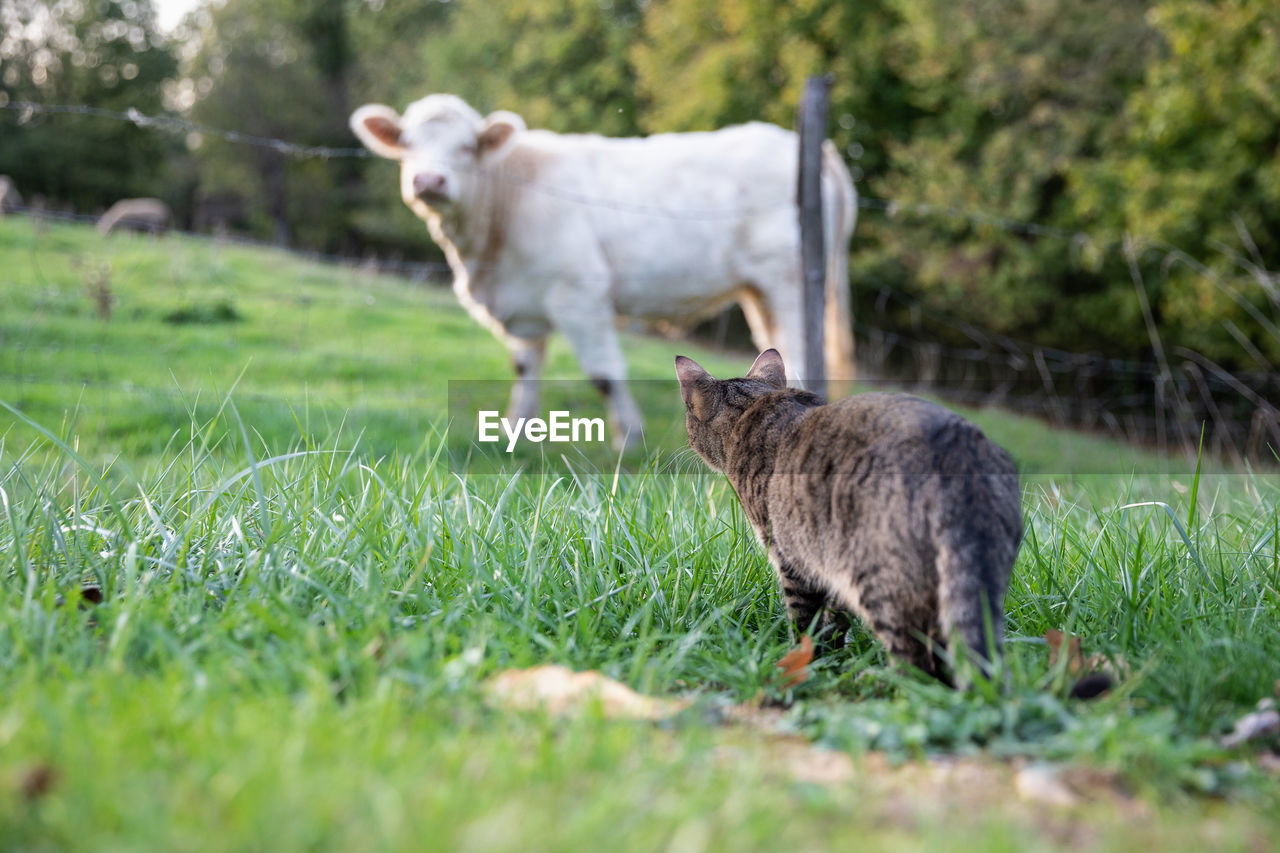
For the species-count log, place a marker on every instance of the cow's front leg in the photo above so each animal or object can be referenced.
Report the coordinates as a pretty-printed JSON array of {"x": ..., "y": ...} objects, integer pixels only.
[
  {"x": 587, "y": 321},
  {"x": 527, "y": 354}
]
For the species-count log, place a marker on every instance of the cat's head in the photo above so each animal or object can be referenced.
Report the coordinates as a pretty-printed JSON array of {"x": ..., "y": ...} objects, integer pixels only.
[{"x": 713, "y": 406}]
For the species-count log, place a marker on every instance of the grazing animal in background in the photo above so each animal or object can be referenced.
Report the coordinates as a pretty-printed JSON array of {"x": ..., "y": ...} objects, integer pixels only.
[
  {"x": 884, "y": 506},
  {"x": 10, "y": 199},
  {"x": 546, "y": 231},
  {"x": 148, "y": 215}
]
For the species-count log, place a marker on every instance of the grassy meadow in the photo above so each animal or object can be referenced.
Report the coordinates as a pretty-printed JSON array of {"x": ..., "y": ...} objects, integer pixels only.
[{"x": 241, "y": 454}]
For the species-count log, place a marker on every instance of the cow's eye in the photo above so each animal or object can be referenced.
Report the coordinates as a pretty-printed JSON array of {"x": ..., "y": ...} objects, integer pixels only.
[{"x": 471, "y": 149}]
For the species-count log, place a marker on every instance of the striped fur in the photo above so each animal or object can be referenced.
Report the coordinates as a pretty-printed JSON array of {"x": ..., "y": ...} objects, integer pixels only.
[{"x": 883, "y": 506}]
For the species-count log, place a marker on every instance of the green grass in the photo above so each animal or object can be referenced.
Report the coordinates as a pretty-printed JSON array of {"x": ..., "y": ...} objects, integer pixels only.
[{"x": 302, "y": 600}]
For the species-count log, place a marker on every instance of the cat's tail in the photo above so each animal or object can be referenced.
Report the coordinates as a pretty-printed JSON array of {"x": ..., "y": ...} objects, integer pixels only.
[
  {"x": 840, "y": 201},
  {"x": 970, "y": 603}
]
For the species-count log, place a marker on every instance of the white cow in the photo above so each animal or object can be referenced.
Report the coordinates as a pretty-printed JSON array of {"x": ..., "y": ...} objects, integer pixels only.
[{"x": 547, "y": 231}]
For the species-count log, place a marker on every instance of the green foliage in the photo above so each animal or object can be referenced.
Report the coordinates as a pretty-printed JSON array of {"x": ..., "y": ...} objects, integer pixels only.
[
  {"x": 275, "y": 71},
  {"x": 1012, "y": 99},
  {"x": 104, "y": 54},
  {"x": 515, "y": 55},
  {"x": 703, "y": 64},
  {"x": 1196, "y": 168},
  {"x": 1097, "y": 118}
]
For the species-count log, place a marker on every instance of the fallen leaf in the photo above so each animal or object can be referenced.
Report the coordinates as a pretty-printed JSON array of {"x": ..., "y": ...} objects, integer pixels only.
[
  {"x": 795, "y": 662},
  {"x": 374, "y": 649},
  {"x": 1096, "y": 673},
  {"x": 559, "y": 690},
  {"x": 38, "y": 781},
  {"x": 1075, "y": 660}
]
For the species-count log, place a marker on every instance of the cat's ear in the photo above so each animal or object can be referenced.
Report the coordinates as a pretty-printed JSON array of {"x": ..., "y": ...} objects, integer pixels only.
[
  {"x": 769, "y": 367},
  {"x": 697, "y": 388}
]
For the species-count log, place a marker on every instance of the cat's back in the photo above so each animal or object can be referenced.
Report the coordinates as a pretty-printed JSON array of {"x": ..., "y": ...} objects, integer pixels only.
[
  {"x": 876, "y": 475},
  {"x": 891, "y": 432}
]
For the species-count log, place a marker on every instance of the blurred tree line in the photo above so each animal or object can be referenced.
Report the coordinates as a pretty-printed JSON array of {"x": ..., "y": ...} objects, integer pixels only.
[{"x": 1095, "y": 118}]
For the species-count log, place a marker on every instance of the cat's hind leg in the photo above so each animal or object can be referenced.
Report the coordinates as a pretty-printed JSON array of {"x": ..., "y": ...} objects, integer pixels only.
[{"x": 833, "y": 630}]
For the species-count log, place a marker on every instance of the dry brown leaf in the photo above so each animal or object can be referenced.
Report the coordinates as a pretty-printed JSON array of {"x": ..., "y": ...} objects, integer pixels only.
[
  {"x": 794, "y": 664},
  {"x": 38, "y": 782},
  {"x": 374, "y": 648},
  {"x": 1075, "y": 660},
  {"x": 1096, "y": 673},
  {"x": 559, "y": 690}
]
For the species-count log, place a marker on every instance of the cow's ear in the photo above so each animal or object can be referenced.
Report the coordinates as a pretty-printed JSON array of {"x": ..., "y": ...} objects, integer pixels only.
[
  {"x": 768, "y": 367},
  {"x": 497, "y": 130},
  {"x": 378, "y": 127},
  {"x": 698, "y": 389}
]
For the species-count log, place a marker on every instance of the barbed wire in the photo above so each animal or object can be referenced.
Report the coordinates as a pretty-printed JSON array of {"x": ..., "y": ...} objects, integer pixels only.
[
  {"x": 987, "y": 345},
  {"x": 415, "y": 270},
  {"x": 179, "y": 125},
  {"x": 1027, "y": 362}
]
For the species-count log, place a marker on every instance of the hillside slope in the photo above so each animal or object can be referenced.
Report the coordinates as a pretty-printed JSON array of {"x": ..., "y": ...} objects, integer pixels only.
[{"x": 120, "y": 342}]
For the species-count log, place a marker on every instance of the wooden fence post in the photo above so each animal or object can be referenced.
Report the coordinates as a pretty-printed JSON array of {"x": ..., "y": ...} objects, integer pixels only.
[{"x": 812, "y": 125}]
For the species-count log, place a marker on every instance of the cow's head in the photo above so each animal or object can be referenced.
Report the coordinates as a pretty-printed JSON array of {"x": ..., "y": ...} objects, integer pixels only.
[{"x": 442, "y": 144}]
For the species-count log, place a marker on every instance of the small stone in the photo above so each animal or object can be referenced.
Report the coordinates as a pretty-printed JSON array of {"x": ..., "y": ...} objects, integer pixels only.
[
  {"x": 1041, "y": 783},
  {"x": 1254, "y": 726}
]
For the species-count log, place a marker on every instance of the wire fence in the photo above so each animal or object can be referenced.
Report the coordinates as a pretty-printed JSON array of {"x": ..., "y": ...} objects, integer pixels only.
[{"x": 1169, "y": 400}]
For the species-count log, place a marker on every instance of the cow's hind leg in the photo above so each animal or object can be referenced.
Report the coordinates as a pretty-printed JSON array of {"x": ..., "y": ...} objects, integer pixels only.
[
  {"x": 757, "y": 316},
  {"x": 587, "y": 321},
  {"x": 775, "y": 298},
  {"x": 789, "y": 334}
]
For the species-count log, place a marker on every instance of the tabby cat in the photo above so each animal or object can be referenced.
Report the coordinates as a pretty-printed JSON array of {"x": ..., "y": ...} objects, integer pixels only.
[{"x": 884, "y": 506}]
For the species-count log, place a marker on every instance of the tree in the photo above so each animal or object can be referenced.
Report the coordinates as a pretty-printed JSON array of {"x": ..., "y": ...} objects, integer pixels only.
[
  {"x": 1013, "y": 100},
  {"x": 105, "y": 54},
  {"x": 390, "y": 38},
  {"x": 277, "y": 71},
  {"x": 561, "y": 64},
  {"x": 1196, "y": 173}
]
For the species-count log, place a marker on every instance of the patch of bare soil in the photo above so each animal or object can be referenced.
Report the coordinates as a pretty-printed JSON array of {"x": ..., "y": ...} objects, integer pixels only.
[{"x": 1067, "y": 805}]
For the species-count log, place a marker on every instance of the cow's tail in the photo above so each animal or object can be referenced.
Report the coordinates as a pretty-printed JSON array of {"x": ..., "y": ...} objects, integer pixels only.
[{"x": 840, "y": 201}]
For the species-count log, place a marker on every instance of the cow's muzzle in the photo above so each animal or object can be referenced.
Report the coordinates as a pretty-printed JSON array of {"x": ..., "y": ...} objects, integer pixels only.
[{"x": 431, "y": 186}]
